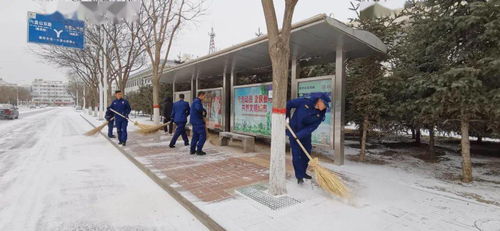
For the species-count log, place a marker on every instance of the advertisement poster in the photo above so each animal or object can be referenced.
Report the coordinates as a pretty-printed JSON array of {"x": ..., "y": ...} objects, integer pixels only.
[
  {"x": 213, "y": 105},
  {"x": 252, "y": 110},
  {"x": 323, "y": 134}
]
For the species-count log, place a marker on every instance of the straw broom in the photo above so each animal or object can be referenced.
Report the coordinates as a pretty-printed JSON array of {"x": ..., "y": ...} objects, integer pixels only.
[
  {"x": 325, "y": 178},
  {"x": 143, "y": 128},
  {"x": 149, "y": 129},
  {"x": 97, "y": 129}
]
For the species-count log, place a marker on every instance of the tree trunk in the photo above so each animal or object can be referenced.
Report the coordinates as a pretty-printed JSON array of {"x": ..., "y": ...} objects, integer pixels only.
[
  {"x": 362, "y": 153},
  {"x": 418, "y": 136},
  {"x": 156, "y": 98},
  {"x": 465, "y": 145},
  {"x": 277, "y": 174},
  {"x": 430, "y": 148},
  {"x": 360, "y": 130},
  {"x": 413, "y": 133},
  {"x": 279, "y": 52}
]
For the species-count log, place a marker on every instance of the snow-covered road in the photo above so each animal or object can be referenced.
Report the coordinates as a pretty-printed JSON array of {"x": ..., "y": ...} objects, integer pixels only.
[{"x": 54, "y": 178}]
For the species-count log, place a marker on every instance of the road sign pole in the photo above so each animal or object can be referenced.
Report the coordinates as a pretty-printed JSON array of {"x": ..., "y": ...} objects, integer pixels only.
[{"x": 105, "y": 69}]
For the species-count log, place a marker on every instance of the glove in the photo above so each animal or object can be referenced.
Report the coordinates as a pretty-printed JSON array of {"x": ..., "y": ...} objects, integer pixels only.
[{"x": 287, "y": 120}]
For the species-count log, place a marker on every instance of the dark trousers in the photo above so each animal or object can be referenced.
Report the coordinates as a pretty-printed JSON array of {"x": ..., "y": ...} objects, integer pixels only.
[
  {"x": 110, "y": 128},
  {"x": 169, "y": 127},
  {"x": 121, "y": 128},
  {"x": 199, "y": 137},
  {"x": 180, "y": 131},
  {"x": 299, "y": 158}
]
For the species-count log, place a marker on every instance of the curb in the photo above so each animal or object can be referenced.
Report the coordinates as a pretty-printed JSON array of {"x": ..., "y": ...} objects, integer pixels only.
[{"x": 165, "y": 185}]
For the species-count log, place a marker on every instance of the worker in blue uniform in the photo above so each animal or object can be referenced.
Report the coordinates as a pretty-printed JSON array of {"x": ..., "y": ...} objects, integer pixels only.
[
  {"x": 308, "y": 115},
  {"x": 198, "y": 122},
  {"x": 110, "y": 118},
  {"x": 121, "y": 106},
  {"x": 180, "y": 112}
]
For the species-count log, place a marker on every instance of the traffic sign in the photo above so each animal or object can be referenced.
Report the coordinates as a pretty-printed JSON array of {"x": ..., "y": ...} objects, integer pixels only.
[{"x": 54, "y": 29}]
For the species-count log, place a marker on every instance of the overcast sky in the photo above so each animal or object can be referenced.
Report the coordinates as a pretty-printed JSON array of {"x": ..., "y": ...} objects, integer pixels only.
[{"x": 234, "y": 21}]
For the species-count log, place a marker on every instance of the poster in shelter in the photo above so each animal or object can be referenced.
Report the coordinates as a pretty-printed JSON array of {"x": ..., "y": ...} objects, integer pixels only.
[
  {"x": 213, "y": 104},
  {"x": 252, "y": 110},
  {"x": 323, "y": 134}
]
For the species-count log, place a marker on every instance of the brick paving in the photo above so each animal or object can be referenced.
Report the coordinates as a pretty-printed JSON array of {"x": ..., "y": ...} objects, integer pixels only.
[{"x": 210, "y": 178}]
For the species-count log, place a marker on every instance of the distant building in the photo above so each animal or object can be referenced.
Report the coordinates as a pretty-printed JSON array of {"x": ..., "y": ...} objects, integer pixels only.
[
  {"x": 3, "y": 83},
  {"x": 50, "y": 92}
]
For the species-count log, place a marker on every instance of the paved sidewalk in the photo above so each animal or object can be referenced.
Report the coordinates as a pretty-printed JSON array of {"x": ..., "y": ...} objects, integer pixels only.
[
  {"x": 212, "y": 177},
  {"x": 229, "y": 187}
]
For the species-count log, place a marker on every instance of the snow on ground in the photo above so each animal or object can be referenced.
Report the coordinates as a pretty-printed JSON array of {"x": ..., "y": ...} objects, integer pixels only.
[
  {"x": 399, "y": 192},
  {"x": 54, "y": 178},
  {"x": 384, "y": 198}
]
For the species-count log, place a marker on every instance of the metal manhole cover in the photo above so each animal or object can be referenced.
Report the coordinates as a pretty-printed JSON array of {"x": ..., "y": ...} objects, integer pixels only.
[{"x": 258, "y": 193}]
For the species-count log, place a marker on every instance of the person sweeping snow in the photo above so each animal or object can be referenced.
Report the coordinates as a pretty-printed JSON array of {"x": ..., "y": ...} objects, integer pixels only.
[
  {"x": 199, "y": 127},
  {"x": 121, "y": 106},
  {"x": 110, "y": 118},
  {"x": 308, "y": 115},
  {"x": 179, "y": 114}
]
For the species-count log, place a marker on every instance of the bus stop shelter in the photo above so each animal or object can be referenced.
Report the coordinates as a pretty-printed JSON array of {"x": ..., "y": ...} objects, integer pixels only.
[{"x": 246, "y": 108}]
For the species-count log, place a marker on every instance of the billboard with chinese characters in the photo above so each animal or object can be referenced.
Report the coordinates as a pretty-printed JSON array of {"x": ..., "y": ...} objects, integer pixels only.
[
  {"x": 213, "y": 104},
  {"x": 252, "y": 110},
  {"x": 322, "y": 135},
  {"x": 54, "y": 29}
]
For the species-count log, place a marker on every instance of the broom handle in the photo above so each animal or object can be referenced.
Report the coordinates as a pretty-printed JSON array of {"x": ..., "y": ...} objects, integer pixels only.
[
  {"x": 298, "y": 141},
  {"x": 121, "y": 115}
]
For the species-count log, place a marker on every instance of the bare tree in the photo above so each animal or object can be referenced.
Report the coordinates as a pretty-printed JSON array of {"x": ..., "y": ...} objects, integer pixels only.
[
  {"x": 123, "y": 52},
  {"x": 159, "y": 22},
  {"x": 279, "y": 52}
]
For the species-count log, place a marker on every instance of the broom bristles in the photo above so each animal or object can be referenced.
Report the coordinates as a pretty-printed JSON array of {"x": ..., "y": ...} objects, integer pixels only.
[
  {"x": 330, "y": 182},
  {"x": 149, "y": 129},
  {"x": 96, "y": 129}
]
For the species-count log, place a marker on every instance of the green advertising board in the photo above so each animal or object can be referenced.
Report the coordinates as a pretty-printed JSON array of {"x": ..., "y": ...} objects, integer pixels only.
[
  {"x": 252, "y": 110},
  {"x": 322, "y": 135}
]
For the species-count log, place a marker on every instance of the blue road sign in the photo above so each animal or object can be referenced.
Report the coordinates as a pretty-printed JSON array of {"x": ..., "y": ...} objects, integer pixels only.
[{"x": 54, "y": 29}]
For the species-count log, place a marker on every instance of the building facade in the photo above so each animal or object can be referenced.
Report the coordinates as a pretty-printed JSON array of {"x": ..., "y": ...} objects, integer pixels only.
[
  {"x": 143, "y": 77},
  {"x": 50, "y": 93}
]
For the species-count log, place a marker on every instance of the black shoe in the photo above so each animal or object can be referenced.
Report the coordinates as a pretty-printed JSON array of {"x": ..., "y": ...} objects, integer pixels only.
[
  {"x": 201, "y": 153},
  {"x": 124, "y": 144},
  {"x": 192, "y": 152},
  {"x": 300, "y": 181},
  {"x": 120, "y": 143},
  {"x": 171, "y": 146},
  {"x": 112, "y": 136},
  {"x": 308, "y": 177},
  {"x": 186, "y": 144}
]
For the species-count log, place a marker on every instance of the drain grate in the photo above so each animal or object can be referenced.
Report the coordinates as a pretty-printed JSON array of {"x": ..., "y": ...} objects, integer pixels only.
[{"x": 258, "y": 193}]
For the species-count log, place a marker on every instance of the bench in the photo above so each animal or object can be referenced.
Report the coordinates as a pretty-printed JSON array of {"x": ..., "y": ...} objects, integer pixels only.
[{"x": 248, "y": 141}]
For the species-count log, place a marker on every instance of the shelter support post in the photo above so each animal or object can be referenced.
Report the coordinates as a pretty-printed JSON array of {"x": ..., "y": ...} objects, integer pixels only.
[
  {"x": 231, "y": 95},
  {"x": 339, "y": 105},
  {"x": 294, "y": 76},
  {"x": 226, "y": 99},
  {"x": 173, "y": 90},
  {"x": 193, "y": 86}
]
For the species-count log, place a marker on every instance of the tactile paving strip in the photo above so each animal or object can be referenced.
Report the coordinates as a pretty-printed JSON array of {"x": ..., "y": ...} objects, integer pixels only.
[{"x": 258, "y": 193}]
